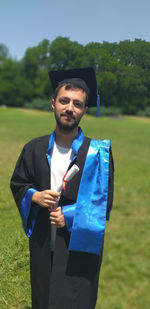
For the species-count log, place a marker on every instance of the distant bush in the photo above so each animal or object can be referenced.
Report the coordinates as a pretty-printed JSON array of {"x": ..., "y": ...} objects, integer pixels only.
[
  {"x": 105, "y": 111},
  {"x": 40, "y": 104},
  {"x": 145, "y": 112},
  {"x": 91, "y": 111}
]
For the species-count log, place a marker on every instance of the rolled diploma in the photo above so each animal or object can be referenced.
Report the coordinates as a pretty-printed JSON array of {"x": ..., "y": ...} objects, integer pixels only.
[{"x": 69, "y": 175}]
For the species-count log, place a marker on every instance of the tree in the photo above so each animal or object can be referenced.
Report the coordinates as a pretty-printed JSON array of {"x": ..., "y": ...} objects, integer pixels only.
[
  {"x": 131, "y": 89},
  {"x": 65, "y": 54},
  {"x": 36, "y": 63},
  {"x": 107, "y": 83},
  {"x": 35, "y": 59},
  {"x": 122, "y": 70},
  {"x": 15, "y": 89},
  {"x": 4, "y": 51}
]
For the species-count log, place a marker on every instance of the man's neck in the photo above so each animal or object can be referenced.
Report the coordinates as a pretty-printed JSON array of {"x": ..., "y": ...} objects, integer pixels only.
[{"x": 65, "y": 139}]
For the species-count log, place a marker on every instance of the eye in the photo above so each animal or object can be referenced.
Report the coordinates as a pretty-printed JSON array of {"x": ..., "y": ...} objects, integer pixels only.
[
  {"x": 63, "y": 101},
  {"x": 78, "y": 104}
]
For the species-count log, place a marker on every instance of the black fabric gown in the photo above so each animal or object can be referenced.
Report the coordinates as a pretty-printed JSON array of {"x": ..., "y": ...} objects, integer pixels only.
[{"x": 72, "y": 281}]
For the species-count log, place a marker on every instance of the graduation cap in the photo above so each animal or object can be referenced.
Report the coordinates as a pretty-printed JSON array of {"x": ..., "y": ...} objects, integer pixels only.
[{"x": 86, "y": 74}]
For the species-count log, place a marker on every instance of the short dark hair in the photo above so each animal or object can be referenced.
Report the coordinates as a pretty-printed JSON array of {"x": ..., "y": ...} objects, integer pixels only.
[{"x": 73, "y": 83}]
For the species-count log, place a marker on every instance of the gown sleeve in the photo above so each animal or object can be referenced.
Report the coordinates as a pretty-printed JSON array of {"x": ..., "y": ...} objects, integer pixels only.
[
  {"x": 110, "y": 185},
  {"x": 22, "y": 186}
]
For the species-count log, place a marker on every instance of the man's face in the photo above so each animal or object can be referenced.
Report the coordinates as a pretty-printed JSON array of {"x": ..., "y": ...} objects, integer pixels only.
[{"x": 69, "y": 107}]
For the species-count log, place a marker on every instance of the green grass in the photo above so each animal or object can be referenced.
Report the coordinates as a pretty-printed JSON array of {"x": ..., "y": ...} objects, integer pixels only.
[{"x": 124, "y": 278}]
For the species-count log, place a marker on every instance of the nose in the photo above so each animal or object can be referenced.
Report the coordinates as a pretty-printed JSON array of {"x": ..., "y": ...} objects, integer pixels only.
[{"x": 69, "y": 107}]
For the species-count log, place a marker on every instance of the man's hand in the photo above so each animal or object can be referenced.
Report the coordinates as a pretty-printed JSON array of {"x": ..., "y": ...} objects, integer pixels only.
[
  {"x": 46, "y": 198},
  {"x": 57, "y": 218}
]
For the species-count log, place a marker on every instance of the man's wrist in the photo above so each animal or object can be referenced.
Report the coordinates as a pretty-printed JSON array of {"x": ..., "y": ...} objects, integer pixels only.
[{"x": 35, "y": 196}]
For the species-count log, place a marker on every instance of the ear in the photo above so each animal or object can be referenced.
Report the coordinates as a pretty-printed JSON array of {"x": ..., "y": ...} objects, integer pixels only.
[
  {"x": 53, "y": 104},
  {"x": 85, "y": 109}
]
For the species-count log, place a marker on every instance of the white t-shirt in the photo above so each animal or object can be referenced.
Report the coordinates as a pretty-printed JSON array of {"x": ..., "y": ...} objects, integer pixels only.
[{"x": 60, "y": 160}]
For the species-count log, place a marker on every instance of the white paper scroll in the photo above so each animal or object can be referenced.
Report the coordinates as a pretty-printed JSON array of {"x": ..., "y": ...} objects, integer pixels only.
[{"x": 69, "y": 175}]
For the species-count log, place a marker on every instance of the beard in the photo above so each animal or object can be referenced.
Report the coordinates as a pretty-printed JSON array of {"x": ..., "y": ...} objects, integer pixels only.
[{"x": 66, "y": 127}]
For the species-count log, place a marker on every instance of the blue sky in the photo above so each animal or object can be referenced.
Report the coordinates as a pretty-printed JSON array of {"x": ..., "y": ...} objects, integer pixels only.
[{"x": 25, "y": 23}]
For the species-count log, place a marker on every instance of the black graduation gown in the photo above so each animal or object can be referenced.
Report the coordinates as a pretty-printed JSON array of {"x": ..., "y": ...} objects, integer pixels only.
[{"x": 73, "y": 280}]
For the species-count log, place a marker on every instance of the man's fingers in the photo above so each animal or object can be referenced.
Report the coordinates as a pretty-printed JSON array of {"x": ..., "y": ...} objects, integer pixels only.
[
  {"x": 53, "y": 216},
  {"x": 46, "y": 198},
  {"x": 55, "y": 212},
  {"x": 57, "y": 218},
  {"x": 52, "y": 193},
  {"x": 50, "y": 200}
]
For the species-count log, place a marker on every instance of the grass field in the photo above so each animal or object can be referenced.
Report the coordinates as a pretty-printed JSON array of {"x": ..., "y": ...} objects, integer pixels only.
[{"x": 124, "y": 279}]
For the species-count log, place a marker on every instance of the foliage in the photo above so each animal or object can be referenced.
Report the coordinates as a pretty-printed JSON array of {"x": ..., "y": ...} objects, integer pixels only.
[
  {"x": 111, "y": 111},
  {"x": 122, "y": 71},
  {"x": 65, "y": 54},
  {"x": 124, "y": 278},
  {"x": 144, "y": 113},
  {"x": 40, "y": 104},
  {"x": 15, "y": 88},
  {"x": 4, "y": 52},
  {"x": 105, "y": 111}
]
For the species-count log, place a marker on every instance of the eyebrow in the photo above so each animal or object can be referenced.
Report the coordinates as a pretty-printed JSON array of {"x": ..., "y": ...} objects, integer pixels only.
[
  {"x": 63, "y": 97},
  {"x": 67, "y": 98}
]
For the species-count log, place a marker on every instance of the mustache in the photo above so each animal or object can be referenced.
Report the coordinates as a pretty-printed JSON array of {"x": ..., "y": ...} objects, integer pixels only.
[{"x": 68, "y": 114}]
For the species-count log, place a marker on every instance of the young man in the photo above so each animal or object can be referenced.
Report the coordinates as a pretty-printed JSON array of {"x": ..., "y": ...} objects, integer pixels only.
[{"x": 66, "y": 228}]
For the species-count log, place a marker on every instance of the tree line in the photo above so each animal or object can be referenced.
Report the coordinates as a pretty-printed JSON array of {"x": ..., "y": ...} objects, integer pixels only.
[{"x": 122, "y": 71}]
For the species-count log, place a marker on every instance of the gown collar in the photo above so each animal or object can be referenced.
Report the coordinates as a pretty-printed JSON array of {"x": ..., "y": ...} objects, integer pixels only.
[{"x": 76, "y": 144}]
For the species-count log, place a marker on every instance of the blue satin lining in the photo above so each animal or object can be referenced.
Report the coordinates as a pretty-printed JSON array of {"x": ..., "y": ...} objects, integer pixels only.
[
  {"x": 26, "y": 210},
  {"x": 88, "y": 215},
  {"x": 77, "y": 142}
]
